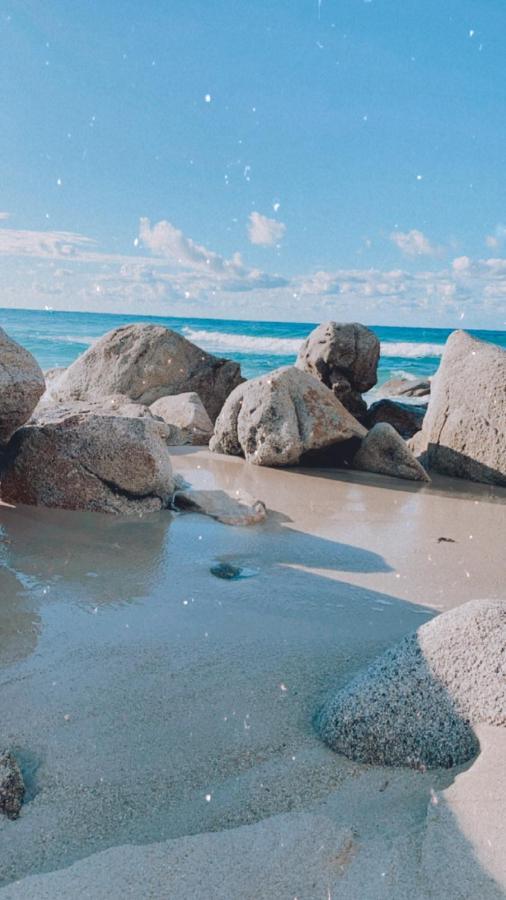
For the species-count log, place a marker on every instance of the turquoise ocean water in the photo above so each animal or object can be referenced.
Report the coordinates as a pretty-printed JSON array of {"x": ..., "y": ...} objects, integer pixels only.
[{"x": 57, "y": 338}]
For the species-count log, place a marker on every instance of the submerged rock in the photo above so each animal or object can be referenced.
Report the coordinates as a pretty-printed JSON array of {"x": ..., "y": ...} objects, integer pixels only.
[
  {"x": 239, "y": 509},
  {"x": 385, "y": 452},
  {"x": 275, "y": 419},
  {"x": 406, "y": 418},
  {"x": 187, "y": 413},
  {"x": 12, "y": 788},
  {"x": 230, "y": 572},
  {"x": 416, "y": 704},
  {"x": 145, "y": 362},
  {"x": 21, "y": 386},
  {"x": 464, "y": 430},
  {"x": 345, "y": 358},
  {"x": 90, "y": 460}
]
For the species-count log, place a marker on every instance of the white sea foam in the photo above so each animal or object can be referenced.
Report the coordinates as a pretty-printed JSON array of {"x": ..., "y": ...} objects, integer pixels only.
[
  {"x": 410, "y": 350},
  {"x": 244, "y": 343}
]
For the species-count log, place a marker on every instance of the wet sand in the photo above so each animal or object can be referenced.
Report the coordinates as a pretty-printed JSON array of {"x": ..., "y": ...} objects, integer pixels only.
[{"x": 163, "y": 716}]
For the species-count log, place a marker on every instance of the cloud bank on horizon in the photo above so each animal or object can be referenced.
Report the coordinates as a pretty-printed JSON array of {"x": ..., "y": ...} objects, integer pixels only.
[
  {"x": 167, "y": 271},
  {"x": 274, "y": 161}
]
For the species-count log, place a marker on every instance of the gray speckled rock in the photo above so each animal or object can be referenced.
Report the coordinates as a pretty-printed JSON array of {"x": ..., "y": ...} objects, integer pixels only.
[
  {"x": 186, "y": 412},
  {"x": 236, "y": 509},
  {"x": 345, "y": 358},
  {"x": 406, "y": 418},
  {"x": 385, "y": 452},
  {"x": 146, "y": 362},
  {"x": 406, "y": 387},
  {"x": 416, "y": 704},
  {"x": 12, "y": 788},
  {"x": 21, "y": 386},
  {"x": 93, "y": 460},
  {"x": 273, "y": 420},
  {"x": 464, "y": 430}
]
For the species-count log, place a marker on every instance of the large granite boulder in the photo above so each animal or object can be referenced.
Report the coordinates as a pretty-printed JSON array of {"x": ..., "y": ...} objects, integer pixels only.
[
  {"x": 98, "y": 460},
  {"x": 385, "y": 452},
  {"x": 416, "y": 705},
  {"x": 187, "y": 413},
  {"x": 12, "y": 788},
  {"x": 406, "y": 387},
  {"x": 345, "y": 358},
  {"x": 464, "y": 430},
  {"x": 275, "y": 419},
  {"x": 21, "y": 386},
  {"x": 145, "y": 362},
  {"x": 406, "y": 418}
]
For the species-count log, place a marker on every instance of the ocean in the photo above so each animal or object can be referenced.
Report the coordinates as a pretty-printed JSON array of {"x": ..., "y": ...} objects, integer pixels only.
[{"x": 57, "y": 338}]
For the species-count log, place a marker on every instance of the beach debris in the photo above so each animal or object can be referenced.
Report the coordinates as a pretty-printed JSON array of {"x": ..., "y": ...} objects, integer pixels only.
[
  {"x": 21, "y": 386},
  {"x": 406, "y": 418},
  {"x": 464, "y": 430},
  {"x": 384, "y": 451},
  {"x": 230, "y": 509},
  {"x": 344, "y": 356},
  {"x": 12, "y": 788},
  {"x": 416, "y": 705},
  {"x": 96, "y": 461},
  {"x": 406, "y": 387},
  {"x": 231, "y": 572},
  {"x": 145, "y": 362},
  {"x": 188, "y": 414},
  {"x": 273, "y": 420},
  {"x": 446, "y": 540}
]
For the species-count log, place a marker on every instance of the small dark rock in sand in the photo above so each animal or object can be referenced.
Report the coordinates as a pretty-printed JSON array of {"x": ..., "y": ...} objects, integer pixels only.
[
  {"x": 12, "y": 788},
  {"x": 230, "y": 572}
]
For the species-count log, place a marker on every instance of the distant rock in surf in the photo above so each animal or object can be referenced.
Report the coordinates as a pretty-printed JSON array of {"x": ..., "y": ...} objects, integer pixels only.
[
  {"x": 12, "y": 788},
  {"x": 21, "y": 386},
  {"x": 464, "y": 430},
  {"x": 345, "y": 358},
  {"x": 275, "y": 419},
  {"x": 406, "y": 387},
  {"x": 417, "y": 703},
  {"x": 385, "y": 452},
  {"x": 145, "y": 362}
]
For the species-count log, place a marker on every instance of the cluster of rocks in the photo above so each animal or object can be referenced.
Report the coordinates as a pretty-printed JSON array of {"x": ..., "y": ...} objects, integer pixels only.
[
  {"x": 418, "y": 703},
  {"x": 98, "y": 436}
]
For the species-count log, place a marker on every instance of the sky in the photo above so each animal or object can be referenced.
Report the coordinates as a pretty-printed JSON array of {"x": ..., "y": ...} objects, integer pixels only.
[{"x": 286, "y": 160}]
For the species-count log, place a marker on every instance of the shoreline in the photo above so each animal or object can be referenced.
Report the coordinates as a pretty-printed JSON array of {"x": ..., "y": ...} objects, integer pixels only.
[{"x": 178, "y": 685}]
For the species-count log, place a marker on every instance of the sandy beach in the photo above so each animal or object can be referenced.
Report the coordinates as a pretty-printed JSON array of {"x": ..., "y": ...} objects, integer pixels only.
[{"x": 164, "y": 717}]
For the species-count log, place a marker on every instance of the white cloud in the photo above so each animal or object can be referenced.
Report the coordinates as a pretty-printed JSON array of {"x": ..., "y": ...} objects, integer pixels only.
[
  {"x": 495, "y": 240},
  {"x": 265, "y": 231},
  {"x": 4, "y": 216},
  {"x": 414, "y": 243}
]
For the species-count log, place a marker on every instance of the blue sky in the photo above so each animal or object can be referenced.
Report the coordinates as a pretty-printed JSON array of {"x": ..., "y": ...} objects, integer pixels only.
[{"x": 290, "y": 159}]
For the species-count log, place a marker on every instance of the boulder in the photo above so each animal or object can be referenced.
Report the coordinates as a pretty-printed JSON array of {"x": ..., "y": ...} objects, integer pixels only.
[
  {"x": 145, "y": 362},
  {"x": 187, "y": 413},
  {"x": 406, "y": 418},
  {"x": 464, "y": 430},
  {"x": 345, "y": 358},
  {"x": 406, "y": 387},
  {"x": 12, "y": 788},
  {"x": 21, "y": 386},
  {"x": 275, "y": 419},
  {"x": 90, "y": 459},
  {"x": 237, "y": 509},
  {"x": 416, "y": 705},
  {"x": 385, "y": 452}
]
